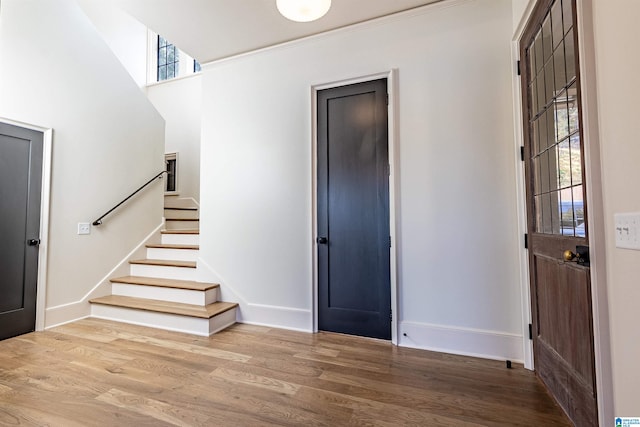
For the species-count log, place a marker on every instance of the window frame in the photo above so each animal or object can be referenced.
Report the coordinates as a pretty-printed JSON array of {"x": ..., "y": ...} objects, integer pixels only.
[
  {"x": 163, "y": 43},
  {"x": 187, "y": 63}
]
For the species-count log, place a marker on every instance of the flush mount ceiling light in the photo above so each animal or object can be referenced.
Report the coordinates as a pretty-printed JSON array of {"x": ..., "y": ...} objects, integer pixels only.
[{"x": 303, "y": 10}]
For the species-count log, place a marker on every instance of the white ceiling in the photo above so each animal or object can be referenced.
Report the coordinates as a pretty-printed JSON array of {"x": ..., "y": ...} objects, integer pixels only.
[{"x": 214, "y": 29}]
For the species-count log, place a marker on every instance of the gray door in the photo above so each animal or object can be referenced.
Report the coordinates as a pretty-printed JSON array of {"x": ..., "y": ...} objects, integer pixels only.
[
  {"x": 20, "y": 188},
  {"x": 354, "y": 292}
]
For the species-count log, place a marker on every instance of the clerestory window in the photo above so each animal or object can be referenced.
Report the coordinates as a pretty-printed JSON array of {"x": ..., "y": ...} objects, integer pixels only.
[{"x": 166, "y": 61}]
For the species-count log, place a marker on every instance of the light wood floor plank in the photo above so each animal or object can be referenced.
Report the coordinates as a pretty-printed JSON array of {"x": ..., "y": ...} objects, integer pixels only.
[
  {"x": 267, "y": 383},
  {"x": 102, "y": 373},
  {"x": 152, "y": 408}
]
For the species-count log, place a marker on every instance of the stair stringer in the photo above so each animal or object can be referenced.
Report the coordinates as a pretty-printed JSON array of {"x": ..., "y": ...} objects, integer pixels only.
[
  {"x": 253, "y": 313},
  {"x": 59, "y": 315}
]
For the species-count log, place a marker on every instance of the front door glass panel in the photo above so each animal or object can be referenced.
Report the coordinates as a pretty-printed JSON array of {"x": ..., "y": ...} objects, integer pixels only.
[{"x": 555, "y": 127}]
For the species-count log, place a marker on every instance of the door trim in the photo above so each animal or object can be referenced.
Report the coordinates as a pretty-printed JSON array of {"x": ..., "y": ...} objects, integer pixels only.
[
  {"x": 597, "y": 242},
  {"x": 45, "y": 197},
  {"x": 527, "y": 344},
  {"x": 392, "y": 80},
  {"x": 596, "y": 219}
]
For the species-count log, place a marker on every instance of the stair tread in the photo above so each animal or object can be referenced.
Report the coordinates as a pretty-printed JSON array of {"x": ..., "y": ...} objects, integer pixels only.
[
  {"x": 172, "y": 246},
  {"x": 203, "y": 312},
  {"x": 166, "y": 263},
  {"x": 181, "y": 219},
  {"x": 181, "y": 208},
  {"x": 185, "y": 231},
  {"x": 166, "y": 283}
]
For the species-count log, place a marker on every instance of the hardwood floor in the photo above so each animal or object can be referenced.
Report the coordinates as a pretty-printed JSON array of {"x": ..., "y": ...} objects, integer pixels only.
[{"x": 99, "y": 373}]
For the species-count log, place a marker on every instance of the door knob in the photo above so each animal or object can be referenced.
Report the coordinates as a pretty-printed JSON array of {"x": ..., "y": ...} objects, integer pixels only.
[
  {"x": 33, "y": 242},
  {"x": 581, "y": 256},
  {"x": 322, "y": 240},
  {"x": 569, "y": 256}
]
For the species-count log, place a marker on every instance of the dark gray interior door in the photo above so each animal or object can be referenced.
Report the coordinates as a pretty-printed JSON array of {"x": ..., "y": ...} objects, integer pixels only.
[
  {"x": 20, "y": 187},
  {"x": 354, "y": 292}
]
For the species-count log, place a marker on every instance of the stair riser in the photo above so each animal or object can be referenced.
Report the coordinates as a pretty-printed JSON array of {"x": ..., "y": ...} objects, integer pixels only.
[
  {"x": 163, "y": 272},
  {"x": 181, "y": 225},
  {"x": 181, "y": 239},
  {"x": 170, "y": 322},
  {"x": 177, "y": 213},
  {"x": 184, "y": 296},
  {"x": 177, "y": 202},
  {"x": 222, "y": 321},
  {"x": 172, "y": 254}
]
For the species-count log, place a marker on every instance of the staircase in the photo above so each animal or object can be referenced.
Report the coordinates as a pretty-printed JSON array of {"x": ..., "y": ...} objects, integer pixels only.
[{"x": 161, "y": 290}]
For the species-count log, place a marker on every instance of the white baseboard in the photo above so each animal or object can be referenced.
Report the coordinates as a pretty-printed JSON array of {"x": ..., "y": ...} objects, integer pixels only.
[
  {"x": 463, "y": 341},
  {"x": 65, "y": 313},
  {"x": 294, "y": 319}
]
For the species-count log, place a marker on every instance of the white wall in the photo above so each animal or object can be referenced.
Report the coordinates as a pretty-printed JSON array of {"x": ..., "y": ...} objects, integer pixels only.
[
  {"x": 126, "y": 37},
  {"x": 617, "y": 60},
  {"x": 180, "y": 103},
  {"x": 57, "y": 72},
  {"x": 518, "y": 8},
  {"x": 457, "y": 244}
]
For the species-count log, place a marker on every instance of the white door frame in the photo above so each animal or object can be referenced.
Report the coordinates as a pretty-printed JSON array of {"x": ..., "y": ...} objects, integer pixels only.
[
  {"x": 597, "y": 243},
  {"x": 43, "y": 249},
  {"x": 392, "y": 81}
]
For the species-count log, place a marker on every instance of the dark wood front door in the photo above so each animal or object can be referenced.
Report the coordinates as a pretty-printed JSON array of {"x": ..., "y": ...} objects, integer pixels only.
[
  {"x": 557, "y": 209},
  {"x": 20, "y": 187},
  {"x": 354, "y": 292}
]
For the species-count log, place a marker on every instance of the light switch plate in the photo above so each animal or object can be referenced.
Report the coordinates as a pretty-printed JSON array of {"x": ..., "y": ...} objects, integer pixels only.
[
  {"x": 84, "y": 228},
  {"x": 627, "y": 228}
]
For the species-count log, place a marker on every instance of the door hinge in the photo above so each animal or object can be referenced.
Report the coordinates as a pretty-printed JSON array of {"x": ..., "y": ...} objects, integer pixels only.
[
  {"x": 391, "y": 315},
  {"x": 388, "y": 169},
  {"x": 530, "y": 331},
  {"x": 389, "y": 241},
  {"x": 522, "y": 153},
  {"x": 518, "y": 67},
  {"x": 387, "y": 99},
  {"x": 526, "y": 241}
]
